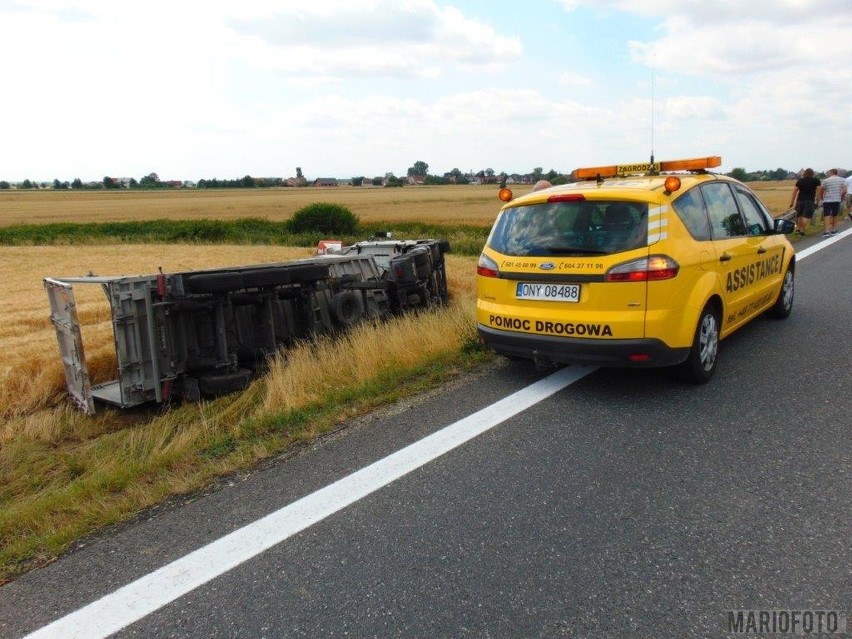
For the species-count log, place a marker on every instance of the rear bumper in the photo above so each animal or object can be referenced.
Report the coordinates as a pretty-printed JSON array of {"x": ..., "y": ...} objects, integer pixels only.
[{"x": 615, "y": 353}]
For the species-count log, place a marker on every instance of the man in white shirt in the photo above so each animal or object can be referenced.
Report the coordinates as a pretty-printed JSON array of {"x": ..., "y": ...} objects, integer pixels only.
[
  {"x": 849, "y": 195},
  {"x": 831, "y": 193}
]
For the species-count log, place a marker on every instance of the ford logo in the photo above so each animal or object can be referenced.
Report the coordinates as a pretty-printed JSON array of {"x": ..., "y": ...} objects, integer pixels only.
[{"x": 547, "y": 266}]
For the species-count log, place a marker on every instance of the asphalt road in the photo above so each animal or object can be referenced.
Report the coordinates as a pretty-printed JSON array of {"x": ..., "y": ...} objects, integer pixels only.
[{"x": 623, "y": 505}]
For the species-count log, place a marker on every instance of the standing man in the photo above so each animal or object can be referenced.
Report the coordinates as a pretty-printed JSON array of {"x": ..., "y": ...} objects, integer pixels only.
[
  {"x": 849, "y": 195},
  {"x": 804, "y": 196},
  {"x": 831, "y": 193}
]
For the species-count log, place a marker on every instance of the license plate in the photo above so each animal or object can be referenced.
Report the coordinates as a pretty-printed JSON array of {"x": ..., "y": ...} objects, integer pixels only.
[{"x": 548, "y": 292}]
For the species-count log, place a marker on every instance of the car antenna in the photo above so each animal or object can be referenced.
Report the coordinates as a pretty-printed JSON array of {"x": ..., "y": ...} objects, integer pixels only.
[{"x": 651, "y": 169}]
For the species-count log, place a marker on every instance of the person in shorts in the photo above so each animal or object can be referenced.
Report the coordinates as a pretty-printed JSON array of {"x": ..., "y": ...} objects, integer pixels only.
[
  {"x": 831, "y": 193},
  {"x": 804, "y": 199},
  {"x": 849, "y": 195}
]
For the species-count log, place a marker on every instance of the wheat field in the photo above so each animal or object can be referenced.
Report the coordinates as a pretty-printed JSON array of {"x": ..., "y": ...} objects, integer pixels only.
[
  {"x": 451, "y": 205},
  {"x": 475, "y": 205}
]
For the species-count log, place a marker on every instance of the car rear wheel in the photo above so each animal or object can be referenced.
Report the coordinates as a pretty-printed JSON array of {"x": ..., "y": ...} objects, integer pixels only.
[
  {"x": 784, "y": 304},
  {"x": 701, "y": 363}
]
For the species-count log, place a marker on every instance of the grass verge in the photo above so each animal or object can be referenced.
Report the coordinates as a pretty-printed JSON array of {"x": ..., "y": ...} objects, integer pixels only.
[{"x": 464, "y": 239}]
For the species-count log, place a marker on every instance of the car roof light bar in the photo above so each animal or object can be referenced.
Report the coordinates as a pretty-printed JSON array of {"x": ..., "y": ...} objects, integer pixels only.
[{"x": 647, "y": 168}]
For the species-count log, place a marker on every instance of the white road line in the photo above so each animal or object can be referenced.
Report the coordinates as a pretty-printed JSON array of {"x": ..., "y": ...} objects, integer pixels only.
[
  {"x": 825, "y": 243},
  {"x": 147, "y": 594}
]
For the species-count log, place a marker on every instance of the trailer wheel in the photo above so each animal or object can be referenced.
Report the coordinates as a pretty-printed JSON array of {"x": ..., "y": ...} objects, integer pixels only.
[
  {"x": 214, "y": 384},
  {"x": 348, "y": 307},
  {"x": 308, "y": 272},
  {"x": 213, "y": 282},
  {"x": 266, "y": 277}
]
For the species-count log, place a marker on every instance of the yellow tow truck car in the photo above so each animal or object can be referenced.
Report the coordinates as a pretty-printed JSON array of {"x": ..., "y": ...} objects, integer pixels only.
[{"x": 641, "y": 265}]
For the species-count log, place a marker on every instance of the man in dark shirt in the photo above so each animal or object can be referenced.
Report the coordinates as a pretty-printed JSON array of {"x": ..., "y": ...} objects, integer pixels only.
[{"x": 804, "y": 198}]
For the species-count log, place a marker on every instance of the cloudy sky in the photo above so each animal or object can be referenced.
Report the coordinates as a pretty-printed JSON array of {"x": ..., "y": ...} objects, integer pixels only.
[{"x": 194, "y": 89}]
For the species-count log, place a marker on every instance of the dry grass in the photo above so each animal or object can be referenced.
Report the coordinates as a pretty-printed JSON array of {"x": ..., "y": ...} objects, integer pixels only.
[{"x": 312, "y": 372}]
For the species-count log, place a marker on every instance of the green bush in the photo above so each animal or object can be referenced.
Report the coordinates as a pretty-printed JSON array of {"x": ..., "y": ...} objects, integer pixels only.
[{"x": 323, "y": 217}]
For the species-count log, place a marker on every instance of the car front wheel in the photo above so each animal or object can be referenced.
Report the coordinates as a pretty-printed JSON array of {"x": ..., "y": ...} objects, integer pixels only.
[{"x": 784, "y": 304}]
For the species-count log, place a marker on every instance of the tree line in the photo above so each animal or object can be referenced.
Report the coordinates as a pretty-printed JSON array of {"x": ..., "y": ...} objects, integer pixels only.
[{"x": 418, "y": 174}]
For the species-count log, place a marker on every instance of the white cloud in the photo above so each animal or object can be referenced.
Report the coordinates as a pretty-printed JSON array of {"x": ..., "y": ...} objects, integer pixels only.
[{"x": 415, "y": 38}]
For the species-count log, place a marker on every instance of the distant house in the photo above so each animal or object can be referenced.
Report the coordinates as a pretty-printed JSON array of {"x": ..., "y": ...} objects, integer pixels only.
[
  {"x": 325, "y": 182},
  {"x": 416, "y": 179}
]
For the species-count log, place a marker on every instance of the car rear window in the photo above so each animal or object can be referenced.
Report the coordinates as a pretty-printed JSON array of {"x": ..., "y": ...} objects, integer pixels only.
[{"x": 571, "y": 228}]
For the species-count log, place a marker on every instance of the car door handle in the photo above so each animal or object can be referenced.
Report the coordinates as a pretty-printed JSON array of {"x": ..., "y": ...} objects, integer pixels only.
[
  {"x": 761, "y": 250},
  {"x": 725, "y": 257}
]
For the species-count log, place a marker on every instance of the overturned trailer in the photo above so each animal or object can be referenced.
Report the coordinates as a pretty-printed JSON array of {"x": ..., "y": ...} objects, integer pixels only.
[{"x": 206, "y": 333}]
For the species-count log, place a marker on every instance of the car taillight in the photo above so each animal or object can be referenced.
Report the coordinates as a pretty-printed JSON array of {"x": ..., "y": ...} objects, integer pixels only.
[
  {"x": 486, "y": 267},
  {"x": 646, "y": 269}
]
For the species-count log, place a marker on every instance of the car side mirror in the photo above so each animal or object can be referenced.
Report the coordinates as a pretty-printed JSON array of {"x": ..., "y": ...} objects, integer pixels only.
[{"x": 784, "y": 226}]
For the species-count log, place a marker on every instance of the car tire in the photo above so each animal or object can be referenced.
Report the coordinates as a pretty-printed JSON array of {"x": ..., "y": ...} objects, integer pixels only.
[
  {"x": 703, "y": 354},
  {"x": 784, "y": 304}
]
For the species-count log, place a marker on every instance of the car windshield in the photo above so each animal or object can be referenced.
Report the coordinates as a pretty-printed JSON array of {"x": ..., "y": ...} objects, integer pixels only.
[{"x": 571, "y": 228}]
